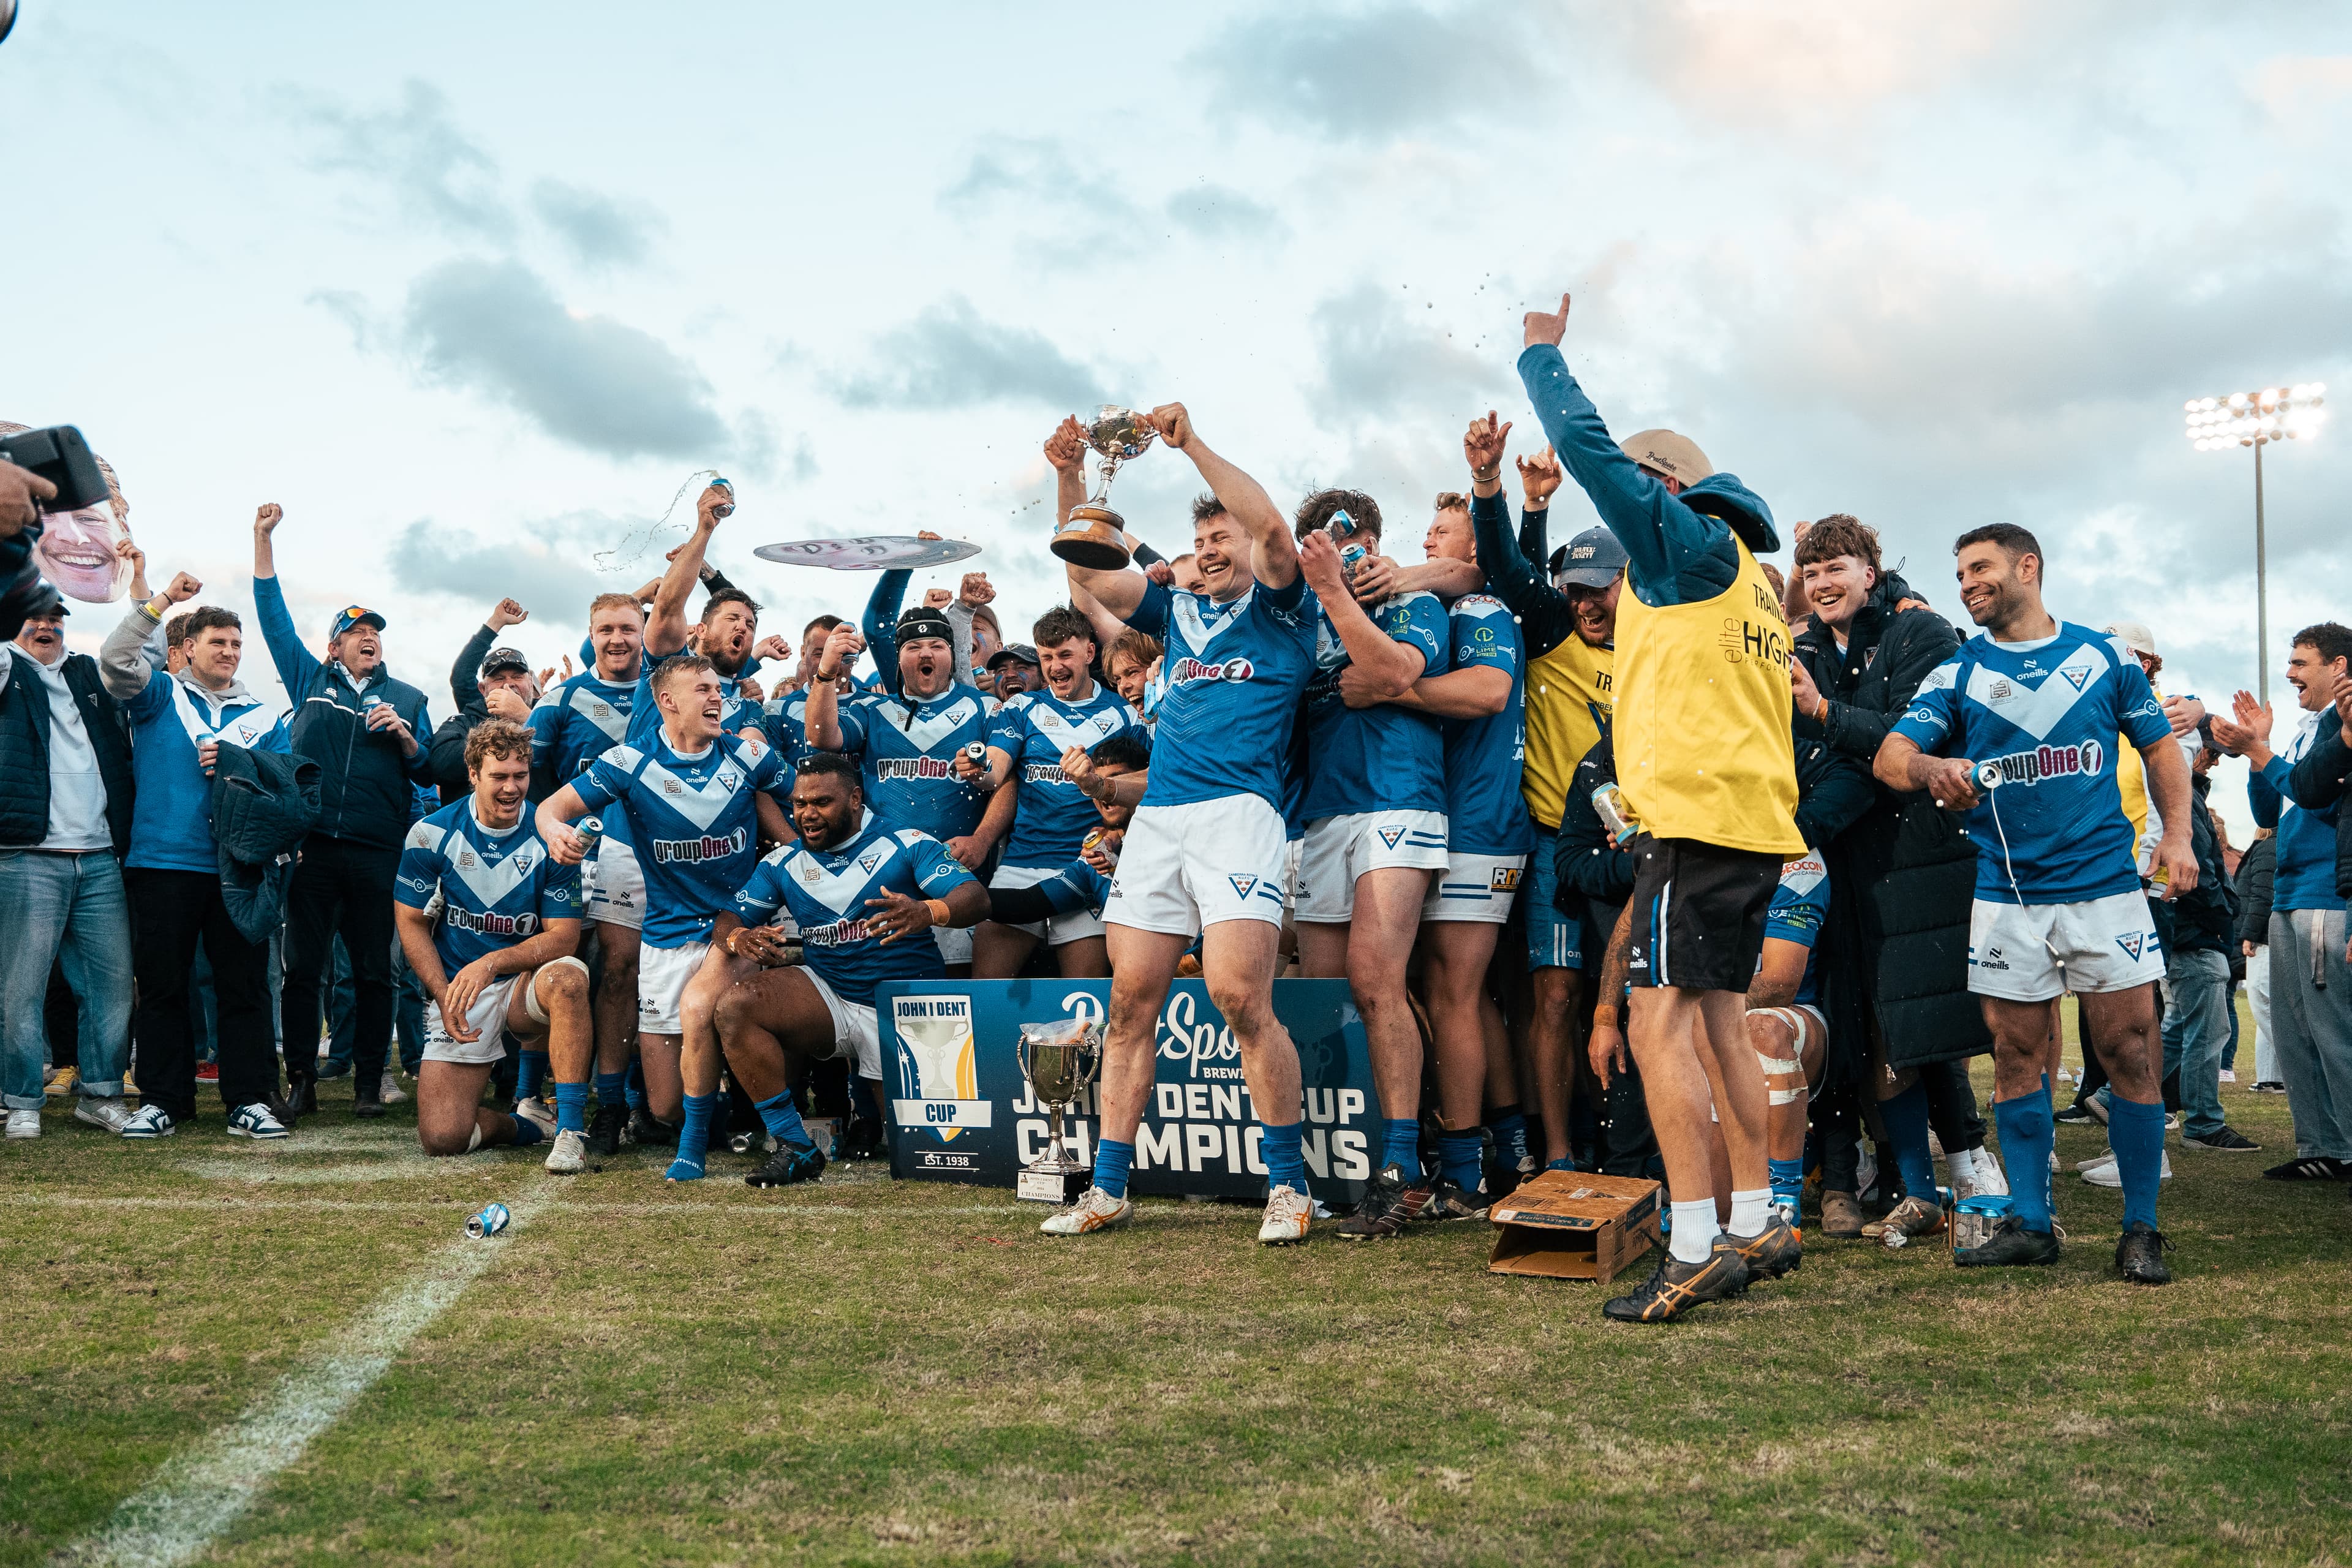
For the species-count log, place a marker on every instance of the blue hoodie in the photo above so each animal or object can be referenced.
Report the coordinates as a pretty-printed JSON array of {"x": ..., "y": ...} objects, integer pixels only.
[
  {"x": 171, "y": 715},
  {"x": 1679, "y": 548},
  {"x": 2301, "y": 800}
]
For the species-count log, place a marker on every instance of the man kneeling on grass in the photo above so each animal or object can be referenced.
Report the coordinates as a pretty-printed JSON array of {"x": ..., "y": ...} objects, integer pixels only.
[
  {"x": 489, "y": 921},
  {"x": 866, "y": 899}
]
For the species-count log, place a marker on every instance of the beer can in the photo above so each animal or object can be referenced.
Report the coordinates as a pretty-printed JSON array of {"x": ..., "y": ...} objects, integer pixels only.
[
  {"x": 489, "y": 1222},
  {"x": 1616, "y": 815},
  {"x": 1353, "y": 555},
  {"x": 591, "y": 830},
  {"x": 1094, "y": 837}
]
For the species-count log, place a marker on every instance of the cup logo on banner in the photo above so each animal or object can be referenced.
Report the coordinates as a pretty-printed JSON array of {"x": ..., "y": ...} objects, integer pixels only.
[{"x": 940, "y": 1073}]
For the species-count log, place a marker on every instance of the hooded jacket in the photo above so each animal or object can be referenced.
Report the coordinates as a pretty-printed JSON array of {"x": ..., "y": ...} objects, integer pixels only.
[
  {"x": 171, "y": 716},
  {"x": 264, "y": 803},
  {"x": 2205, "y": 919},
  {"x": 2254, "y": 869},
  {"x": 1903, "y": 878},
  {"x": 364, "y": 781}
]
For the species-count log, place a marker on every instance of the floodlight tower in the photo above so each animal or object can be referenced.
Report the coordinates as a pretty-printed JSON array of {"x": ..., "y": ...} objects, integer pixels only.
[{"x": 2256, "y": 419}]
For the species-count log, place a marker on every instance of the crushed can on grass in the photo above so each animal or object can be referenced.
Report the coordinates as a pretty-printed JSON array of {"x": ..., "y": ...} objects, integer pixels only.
[{"x": 489, "y": 1222}]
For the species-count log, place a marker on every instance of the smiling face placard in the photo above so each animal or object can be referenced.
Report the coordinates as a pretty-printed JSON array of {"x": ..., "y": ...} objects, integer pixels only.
[{"x": 76, "y": 552}]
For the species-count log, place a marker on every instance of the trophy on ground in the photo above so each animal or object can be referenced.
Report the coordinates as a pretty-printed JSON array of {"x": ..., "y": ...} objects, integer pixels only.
[
  {"x": 1094, "y": 537},
  {"x": 1059, "y": 1060}
]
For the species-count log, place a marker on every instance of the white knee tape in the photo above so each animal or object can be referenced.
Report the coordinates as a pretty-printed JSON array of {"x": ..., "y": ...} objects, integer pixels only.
[
  {"x": 1785, "y": 1096},
  {"x": 475, "y": 1141},
  {"x": 1778, "y": 1066}
]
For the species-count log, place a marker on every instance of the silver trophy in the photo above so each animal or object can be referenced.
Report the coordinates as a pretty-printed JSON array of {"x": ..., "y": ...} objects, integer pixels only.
[
  {"x": 1093, "y": 536},
  {"x": 1059, "y": 1060}
]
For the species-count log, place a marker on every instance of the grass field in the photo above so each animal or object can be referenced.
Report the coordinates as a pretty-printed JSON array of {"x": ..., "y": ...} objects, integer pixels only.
[{"x": 878, "y": 1372}]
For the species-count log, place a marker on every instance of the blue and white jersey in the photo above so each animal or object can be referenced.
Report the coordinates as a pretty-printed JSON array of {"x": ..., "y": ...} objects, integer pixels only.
[
  {"x": 1233, "y": 676},
  {"x": 1076, "y": 887},
  {"x": 1384, "y": 758},
  {"x": 1800, "y": 906},
  {"x": 825, "y": 893},
  {"x": 1486, "y": 814},
  {"x": 171, "y": 800},
  {"x": 1035, "y": 729},
  {"x": 497, "y": 887},
  {"x": 691, "y": 820},
  {"x": 908, "y": 752},
  {"x": 784, "y": 721},
  {"x": 578, "y": 721},
  {"x": 2048, "y": 711}
]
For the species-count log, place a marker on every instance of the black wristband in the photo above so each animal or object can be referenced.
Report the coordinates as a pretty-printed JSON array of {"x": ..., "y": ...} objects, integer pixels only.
[{"x": 1147, "y": 556}]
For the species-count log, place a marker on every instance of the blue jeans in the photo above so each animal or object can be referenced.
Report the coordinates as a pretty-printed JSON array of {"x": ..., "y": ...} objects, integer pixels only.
[
  {"x": 2196, "y": 1027},
  {"x": 68, "y": 908}
]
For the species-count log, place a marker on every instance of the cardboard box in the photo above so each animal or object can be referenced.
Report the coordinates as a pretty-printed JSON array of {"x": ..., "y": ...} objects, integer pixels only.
[{"x": 1568, "y": 1224}]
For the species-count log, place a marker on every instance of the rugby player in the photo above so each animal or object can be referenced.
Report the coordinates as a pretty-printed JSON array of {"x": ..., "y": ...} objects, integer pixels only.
[
  {"x": 697, "y": 801},
  {"x": 1705, "y": 761},
  {"x": 868, "y": 900},
  {"x": 1028, "y": 740},
  {"x": 1083, "y": 886},
  {"x": 1205, "y": 855},
  {"x": 2058, "y": 901},
  {"x": 500, "y": 957},
  {"x": 577, "y": 722}
]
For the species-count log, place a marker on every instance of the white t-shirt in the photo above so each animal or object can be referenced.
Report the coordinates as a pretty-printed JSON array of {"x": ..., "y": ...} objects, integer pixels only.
[{"x": 76, "y": 793}]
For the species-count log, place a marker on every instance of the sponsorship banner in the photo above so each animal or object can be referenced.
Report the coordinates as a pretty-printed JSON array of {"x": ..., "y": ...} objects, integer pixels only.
[{"x": 963, "y": 1111}]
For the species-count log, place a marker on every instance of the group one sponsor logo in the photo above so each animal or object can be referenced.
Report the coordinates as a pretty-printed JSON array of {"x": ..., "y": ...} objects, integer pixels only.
[
  {"x": 913, "y": 768},
  {"x": 840, "y": 933},
  {"x": 1041, "y": 773},
  {"x": 1188, "y": 669},
  {"x": 709, "y": 846},
  {"x": 488, "y": 924},
  {"x": 2050, "y": 763}
]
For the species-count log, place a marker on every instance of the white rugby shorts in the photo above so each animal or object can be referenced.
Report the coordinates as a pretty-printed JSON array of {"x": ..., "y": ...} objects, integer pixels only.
[
  {"x": 1186, "y": 866},
  {"x": 1060, "y": 928},
  {"x": 2108, "y": 944},
  {"x": 1474, "y": 888},
  {"x": 662, "y": 974},
  {"x": 489, "y": 1015},
  {"x": 955, "y": 944},
  {"x": 856, "y": 1036},
  {"x": 1342, "y": 849},
  {"x": 616, "y": 886}
]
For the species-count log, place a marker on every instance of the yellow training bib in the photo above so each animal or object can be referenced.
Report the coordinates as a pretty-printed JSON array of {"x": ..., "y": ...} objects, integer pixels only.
[
  {"x": 1703, "y": 749},
  {"x": 1569, "y": 694}
]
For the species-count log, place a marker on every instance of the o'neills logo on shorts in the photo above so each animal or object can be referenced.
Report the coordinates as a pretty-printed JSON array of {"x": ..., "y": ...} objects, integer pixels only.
[
  {"x": 493, "y": 925},
  {"x": 1192, "y": 669},
  {"x": 912, "y": 768},
  {"x": 2051, "y": 762},
  {"x": 838, "y": 934},
  {"x": 711, "y": 847}
]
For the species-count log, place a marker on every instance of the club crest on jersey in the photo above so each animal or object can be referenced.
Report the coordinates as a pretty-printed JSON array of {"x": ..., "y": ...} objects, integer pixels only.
[
  {"x": 1243, "y": 886},
  {"x": 2132, "y": 943},
  {"x": 867, "y": 861},
  {"x": 1189, "y": 670},
  {"x": 2076, "y": 675},
  {"x": 2050, "y": 761},
  {"x": 600, "y": 709},
  {"x": 1390, "y": 836},
  {"x": 727, "y": 781}
]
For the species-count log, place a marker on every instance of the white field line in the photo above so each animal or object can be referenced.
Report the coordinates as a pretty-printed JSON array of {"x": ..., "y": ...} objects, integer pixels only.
[
  {"x": 548, "y": 1206},
  {"x": 200, "y": 1491}
]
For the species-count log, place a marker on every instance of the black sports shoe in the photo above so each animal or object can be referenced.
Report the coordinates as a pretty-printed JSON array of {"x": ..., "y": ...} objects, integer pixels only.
[
  {"x": 2010, "y": 1246},
  {"x": 1677, "y": 1287},
  {"x": 864, "y": 1140},
  {"x": 2139, "y": 1255},
  {"x": 2228, "y": 1140},
  {"x": 2308, "y": 1168},
  {"x": 605, "y": 1129},
  {"x": 1771, "y": 1252},
  {"x": 284, "y": 1111},
  {"x": 2072, "y": 1114},
  {"x": 1452, "y": 1200},
  {"x": 369, "y": 1106},
  {"x": 1389, "y": 1204},
  {"x": 788, "y": 1166},
  {"x": 651, "y": 1130}
]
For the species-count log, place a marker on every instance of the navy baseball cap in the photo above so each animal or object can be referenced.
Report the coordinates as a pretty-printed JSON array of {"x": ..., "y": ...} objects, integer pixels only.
[
  {"x": 355, "y": 615},
  {"x": 1020, "y": 650},
  {"x": 1592, "y": 559},
  {"x": 499, "y": 659}
]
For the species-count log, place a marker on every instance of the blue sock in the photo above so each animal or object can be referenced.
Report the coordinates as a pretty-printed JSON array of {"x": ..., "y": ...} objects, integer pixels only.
[
  {"x": 528, "y": 1132},
  {"x": 1788, "y": 1178},
  {"x": 1905, "y": 1116},
  {"x": 1457, "y": 1159},
  {"x": 531, "y": 1071},
  {"x": 610, "y": 1090},
  {"x": 693, "y": 1139},
  {"x": 637, "y": 1085},
  {"x": 572, "y": 1108},
  {"x": 2136, "y": 1131},
  {"x": 783, "y": 1120},
  {"x": 2026, "y": 1134},
  {"x": 1112, "y": 1158},
  {"x": 1399, "y": 1146},
  {"x": 1286, "y": 1160},
  {"x": 1511, "y": 1130}
]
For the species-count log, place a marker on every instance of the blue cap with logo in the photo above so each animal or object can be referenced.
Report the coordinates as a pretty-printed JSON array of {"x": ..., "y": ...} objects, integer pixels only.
[
  {"x": 1592, "y": 559},
  {"x": 355, "y": 615}
]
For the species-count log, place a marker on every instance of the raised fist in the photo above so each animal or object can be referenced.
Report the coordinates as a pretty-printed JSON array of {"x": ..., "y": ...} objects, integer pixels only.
[{"x": 269, "y": 517}]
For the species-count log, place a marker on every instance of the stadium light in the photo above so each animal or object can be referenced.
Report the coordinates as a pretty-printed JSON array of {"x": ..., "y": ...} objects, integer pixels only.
[{"x": 2256, "y": 419}]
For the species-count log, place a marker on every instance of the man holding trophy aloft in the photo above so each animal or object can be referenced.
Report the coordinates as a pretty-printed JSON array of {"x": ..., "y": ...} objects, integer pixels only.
[{"x": 1205, "y": 856}]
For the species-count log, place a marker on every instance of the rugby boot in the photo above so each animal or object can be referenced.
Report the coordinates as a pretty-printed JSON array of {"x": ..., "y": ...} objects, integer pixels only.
[
  {"x": 1841, "y": 1216},
  {"x": 650, "y": 1131},
  {"x": 532, "y": 1109},
  {"x": 787, "y": 1165},
  {"x": 2010, "y": 1245},
  {"x": 1287, "y": 1210},
  {"x": 1912, "y": 1217},
  {"x": 1389, "y": 1204},
  {"x": 1677, "y": 1286},
  {"x": 1095, "y": 1210},
  {"x": 1774, "y": 1250},
  {"x": 2139, "y": 1254},
  {"x": 1452, "y": 1200},
  {"x": 605, "y": 1129}
]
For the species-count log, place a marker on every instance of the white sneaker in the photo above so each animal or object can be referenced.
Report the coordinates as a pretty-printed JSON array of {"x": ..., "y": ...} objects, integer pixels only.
[
  {"x": 536, "y": 1111},
  {"x": 1991, "y": 1179},
  {"x": 2107, "y": 1173},
  {"x": 390, "y": 1092},
  {"x": 24, "y": 1124},
  {"x": 256, "y": 1122},
  {"x": 149, "y": 1122},
  {"x": 569, "y": 1157},
  {"x": 1287, "y": 1210},
  {"x": 2104, "y": 1157},
  {"x": 2229, "y": 1075},
  {"x": 1095, "y": 1210},
  {"x": 109, "y": 1114},
  {"x": 1963, "y": 1171}
]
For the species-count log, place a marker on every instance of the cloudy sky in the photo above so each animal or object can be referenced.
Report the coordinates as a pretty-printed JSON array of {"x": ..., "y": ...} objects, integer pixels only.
[{"x": 472, "y": 290}]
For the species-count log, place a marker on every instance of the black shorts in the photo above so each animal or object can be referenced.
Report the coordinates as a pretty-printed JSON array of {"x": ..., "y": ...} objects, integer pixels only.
[{"x": 1698, "y": 913}]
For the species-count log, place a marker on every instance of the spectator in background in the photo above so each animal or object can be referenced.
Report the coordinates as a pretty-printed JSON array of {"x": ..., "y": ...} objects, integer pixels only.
[
  {"x": 363, "y": 728},
  {"x": 486, "y": 682},
  {"x": 179, "y": 720},
  {"x": 65, "y": 819},
  {"x": 2197, "y": 981},
  {"x": 2254, "y": 875}
]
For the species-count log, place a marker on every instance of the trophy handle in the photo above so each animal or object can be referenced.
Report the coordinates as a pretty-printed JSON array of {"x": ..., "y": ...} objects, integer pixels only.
[
  {"x": 1091, "y": 1057},
  {"x": 1023, "y": 1055}
]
